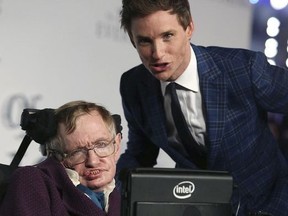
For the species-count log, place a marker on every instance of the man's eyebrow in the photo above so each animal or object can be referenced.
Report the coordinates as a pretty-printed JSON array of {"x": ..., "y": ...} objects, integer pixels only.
[
  {"x": 168, "y": 32},
  {"x": 102, "y": 139},
  {"x": 139, "y": 37},
  {"x": 147, "y": 38}
]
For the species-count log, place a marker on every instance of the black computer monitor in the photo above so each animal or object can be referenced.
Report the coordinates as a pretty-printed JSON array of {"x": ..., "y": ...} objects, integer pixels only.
[{"x": 176, "y": 192}]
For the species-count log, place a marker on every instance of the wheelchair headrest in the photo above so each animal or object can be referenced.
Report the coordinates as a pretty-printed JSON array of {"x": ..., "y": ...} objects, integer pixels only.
[{"x": 40, "y": 125}]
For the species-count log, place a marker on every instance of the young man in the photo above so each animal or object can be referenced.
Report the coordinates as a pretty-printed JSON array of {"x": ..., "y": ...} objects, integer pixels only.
[
  {"x": 77, "y": 178},
  {"x": 224, "y": 95}
]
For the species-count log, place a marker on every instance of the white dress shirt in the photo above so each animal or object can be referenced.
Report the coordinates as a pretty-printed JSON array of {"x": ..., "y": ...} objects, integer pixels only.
[{"x": 191, "y": 105}]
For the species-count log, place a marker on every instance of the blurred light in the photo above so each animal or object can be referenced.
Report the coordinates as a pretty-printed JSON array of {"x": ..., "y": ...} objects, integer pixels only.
[
  {"x": 272, "y": 62},
  {"x": 273, "y": 21},
  {"x": 287, "y": 63},
  {"x": 272, "y": 32},
  {"x": 271, "y": 48},
  {"x": 253, "y": 1},
  {"x": 270, "y": 53},
  {"x": 271, "y": 43},
  {"x": 273, "y": 26},
  {"x": 278, "y": 4}
]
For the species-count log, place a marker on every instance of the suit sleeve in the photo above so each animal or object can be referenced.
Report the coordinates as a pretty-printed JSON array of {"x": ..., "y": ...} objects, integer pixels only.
[
  {"x": 140, "y": 151},
  {"x": 270, "y": 84}
]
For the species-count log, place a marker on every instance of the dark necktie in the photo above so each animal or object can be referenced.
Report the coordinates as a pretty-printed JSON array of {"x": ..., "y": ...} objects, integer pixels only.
[{"x": 197, "y": 152}]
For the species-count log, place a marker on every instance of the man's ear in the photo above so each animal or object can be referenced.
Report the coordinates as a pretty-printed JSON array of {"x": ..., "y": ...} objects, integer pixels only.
[
  {"x": 118, "y": 139},
  {"x": 189, "y": 30}
]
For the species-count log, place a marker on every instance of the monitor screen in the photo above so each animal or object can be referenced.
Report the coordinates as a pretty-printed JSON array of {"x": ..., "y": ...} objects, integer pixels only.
[{"x": 176, "y": 192}]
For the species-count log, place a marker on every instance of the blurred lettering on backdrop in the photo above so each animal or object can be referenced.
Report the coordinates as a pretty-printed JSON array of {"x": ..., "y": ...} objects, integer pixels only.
[{"x": 55, "y": 51}]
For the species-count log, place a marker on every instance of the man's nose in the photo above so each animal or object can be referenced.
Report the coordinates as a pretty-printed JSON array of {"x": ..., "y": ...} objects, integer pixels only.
[
  {"x": 92, "y": 158},
  {"x": 158, "y": 50}
]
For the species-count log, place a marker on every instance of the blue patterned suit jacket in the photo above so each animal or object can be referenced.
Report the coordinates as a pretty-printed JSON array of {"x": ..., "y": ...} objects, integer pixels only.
[{"x": 238, "y": 88}]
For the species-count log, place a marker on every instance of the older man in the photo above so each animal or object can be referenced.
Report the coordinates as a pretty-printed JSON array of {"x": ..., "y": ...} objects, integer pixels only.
[{"x": 77, "y": 178}]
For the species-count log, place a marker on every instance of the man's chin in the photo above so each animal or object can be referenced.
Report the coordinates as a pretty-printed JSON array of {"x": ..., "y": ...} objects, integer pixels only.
[
  {"x": 95, "y": 183},
  {"x": 96, "y": 186},
  {"x": 163, "y": 76}
]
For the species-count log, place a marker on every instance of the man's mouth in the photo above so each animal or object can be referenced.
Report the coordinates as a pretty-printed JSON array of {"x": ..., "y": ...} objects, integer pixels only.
[
  {"x": 91, "y": 174},
  {"x": 159, "y": 67}
]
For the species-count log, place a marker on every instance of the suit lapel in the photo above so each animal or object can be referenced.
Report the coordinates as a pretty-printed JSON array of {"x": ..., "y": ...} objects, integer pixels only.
[
  {"x": 153, "y": 118},
  {"x": 153, "y": 110},
  {"x": 213, "y": 92}
]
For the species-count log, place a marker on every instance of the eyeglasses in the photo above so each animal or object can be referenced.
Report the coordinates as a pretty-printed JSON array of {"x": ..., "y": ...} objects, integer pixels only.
[{"x": 102, "y": 149}]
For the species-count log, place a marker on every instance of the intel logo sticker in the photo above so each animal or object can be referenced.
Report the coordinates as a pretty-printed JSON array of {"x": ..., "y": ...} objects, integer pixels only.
[{"x": 183, "y": 190}]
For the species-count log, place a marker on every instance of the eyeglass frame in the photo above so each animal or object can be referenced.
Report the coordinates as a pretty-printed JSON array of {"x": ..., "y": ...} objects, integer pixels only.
[{"x": 65, "y": 156}]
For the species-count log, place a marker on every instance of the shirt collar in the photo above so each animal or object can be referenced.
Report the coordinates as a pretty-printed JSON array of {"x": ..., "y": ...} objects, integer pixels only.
[
  {"x": 74, "y": 177},
  {"x": 189, "y": 78}
]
